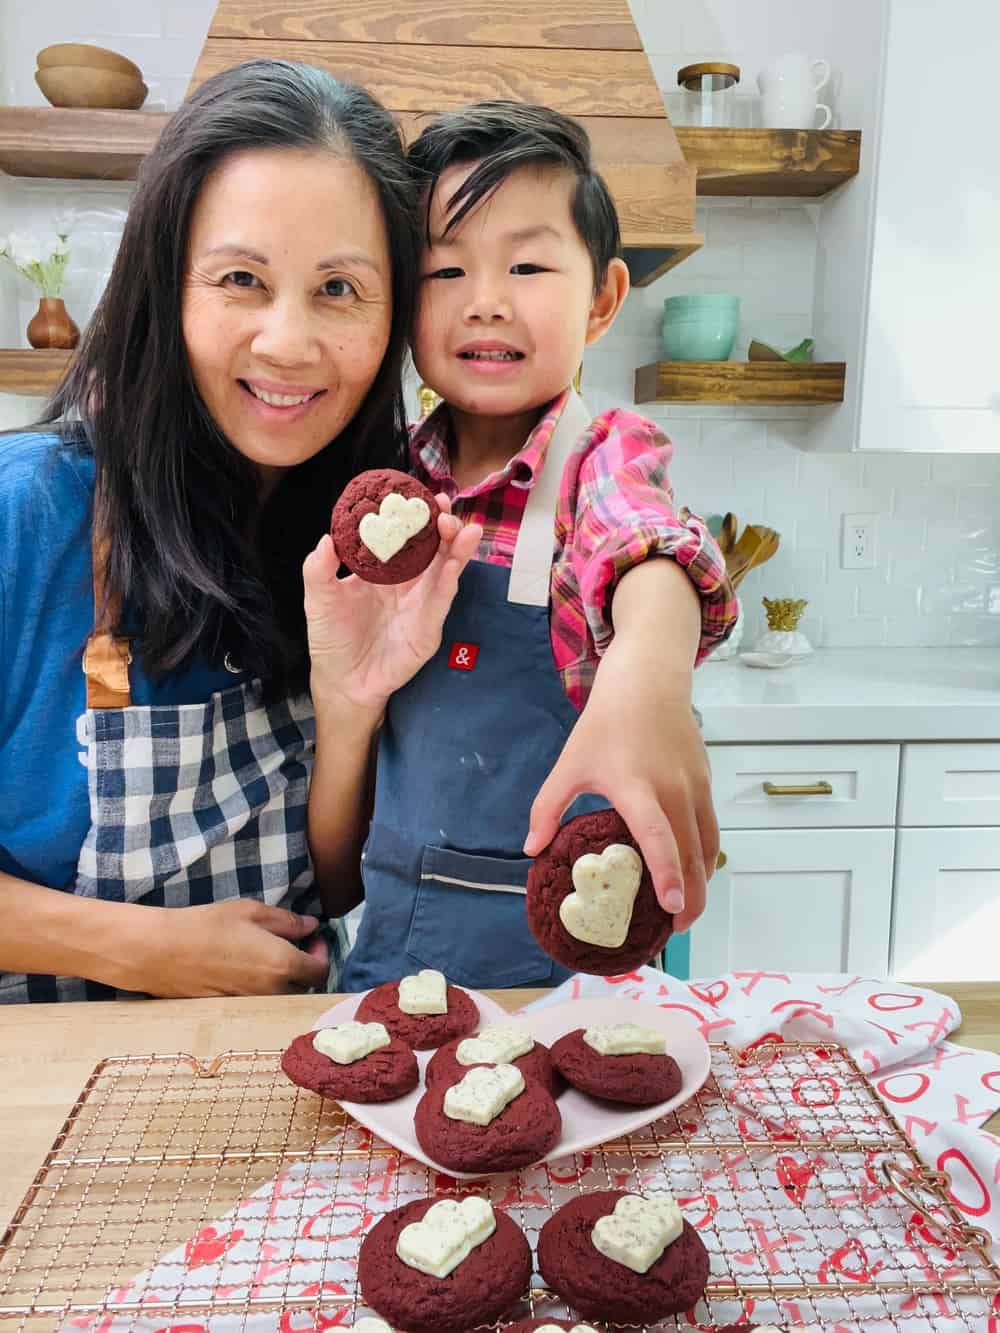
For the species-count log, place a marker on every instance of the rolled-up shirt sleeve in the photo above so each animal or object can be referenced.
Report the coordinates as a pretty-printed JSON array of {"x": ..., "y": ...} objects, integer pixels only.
[{"x": 625, "y": 514}]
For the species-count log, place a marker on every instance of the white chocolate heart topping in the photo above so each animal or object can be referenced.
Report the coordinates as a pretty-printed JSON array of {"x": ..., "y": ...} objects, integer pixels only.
[
  {"x": 398, "y": 519},
  {"x": 600, "y": 911},
  {"x": 348, "y": 1042},
  {"x": 425, "y": 993},
  {"x": 446, "y": 1234},
  {"x": 638, "y": 1231},
  {"x": 494, "y": 1046},
  {"x": 481, "y": 1094}
]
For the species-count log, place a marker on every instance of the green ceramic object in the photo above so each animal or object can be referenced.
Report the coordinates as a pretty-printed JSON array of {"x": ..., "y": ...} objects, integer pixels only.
[
  {"x": 700, "y": 327},
  {"x": 801, "y": 352}
]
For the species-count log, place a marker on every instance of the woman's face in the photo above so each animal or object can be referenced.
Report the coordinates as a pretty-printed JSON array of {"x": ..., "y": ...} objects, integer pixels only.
[{"x": 287, "y": 301}]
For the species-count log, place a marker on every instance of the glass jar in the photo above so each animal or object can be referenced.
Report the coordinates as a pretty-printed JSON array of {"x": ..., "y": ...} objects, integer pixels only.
[{"x": 708, "y": 96}]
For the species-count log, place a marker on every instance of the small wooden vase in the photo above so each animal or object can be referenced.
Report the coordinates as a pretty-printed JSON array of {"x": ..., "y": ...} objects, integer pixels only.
[{"x": 51, "y": 325}]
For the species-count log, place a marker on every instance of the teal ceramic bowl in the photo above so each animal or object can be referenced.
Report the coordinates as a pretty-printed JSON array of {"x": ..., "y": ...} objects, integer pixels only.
[{"x": 700, "y": 328}]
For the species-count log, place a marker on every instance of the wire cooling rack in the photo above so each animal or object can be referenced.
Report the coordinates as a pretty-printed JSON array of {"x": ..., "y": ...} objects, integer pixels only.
[{"x": 182, "y": 1197}]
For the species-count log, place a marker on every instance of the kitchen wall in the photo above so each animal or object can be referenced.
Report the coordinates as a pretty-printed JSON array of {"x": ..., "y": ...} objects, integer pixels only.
[{"x": 937, "y": 579}]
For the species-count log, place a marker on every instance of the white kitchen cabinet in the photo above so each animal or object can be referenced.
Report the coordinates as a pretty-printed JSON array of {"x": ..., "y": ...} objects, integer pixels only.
[
  {"x": 908, "y": 256},
  {"x": 947, "y": 904},
  {"x": 804, "y": 786},
  {"x": 949, "y": 783},
  {"x": 802, "y": 900},
  {"x": 931, "y": 377}
]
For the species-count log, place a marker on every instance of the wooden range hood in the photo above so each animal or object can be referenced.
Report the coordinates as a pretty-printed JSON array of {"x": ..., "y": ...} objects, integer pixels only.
[{"x": 583, "y": 57}]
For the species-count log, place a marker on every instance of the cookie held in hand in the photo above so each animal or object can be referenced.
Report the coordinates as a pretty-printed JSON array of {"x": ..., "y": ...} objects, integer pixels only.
[
  {"x": 385, "y": 527},
  {"x": 590, "y": 899}
]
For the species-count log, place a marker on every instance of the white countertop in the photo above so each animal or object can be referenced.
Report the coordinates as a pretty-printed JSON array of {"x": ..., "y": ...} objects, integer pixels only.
[{"x": 855, "y": 694}]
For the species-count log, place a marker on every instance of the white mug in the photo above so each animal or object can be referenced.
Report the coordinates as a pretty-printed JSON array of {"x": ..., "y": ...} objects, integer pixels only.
[{"x": 788, "y": 92}]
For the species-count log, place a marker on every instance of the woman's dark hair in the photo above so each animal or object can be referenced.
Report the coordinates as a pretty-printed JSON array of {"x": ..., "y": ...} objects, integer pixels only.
[
  {"x": 193, "y": 555},
  {"x": 502, "y": 137}
]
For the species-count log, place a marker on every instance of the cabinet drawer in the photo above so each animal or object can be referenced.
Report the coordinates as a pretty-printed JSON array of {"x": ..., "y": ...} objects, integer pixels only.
[
  {"x": 950, "y": 784},
  {"x": 803, "y": 900},
  {"x": 818, "y": 786}
]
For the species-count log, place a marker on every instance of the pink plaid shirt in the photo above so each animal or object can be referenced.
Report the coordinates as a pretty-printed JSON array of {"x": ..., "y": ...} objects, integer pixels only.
[{"x": 615, "y": 509}]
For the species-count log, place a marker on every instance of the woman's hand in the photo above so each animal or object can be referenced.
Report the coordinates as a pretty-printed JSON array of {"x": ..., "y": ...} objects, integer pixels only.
[
  {"x": 237, "y": 947},
  {"x": 366, "y": 639}
]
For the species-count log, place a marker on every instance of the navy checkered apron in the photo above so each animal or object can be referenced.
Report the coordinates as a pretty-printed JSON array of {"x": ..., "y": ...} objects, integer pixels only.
[{"x": 189, "y": 804}]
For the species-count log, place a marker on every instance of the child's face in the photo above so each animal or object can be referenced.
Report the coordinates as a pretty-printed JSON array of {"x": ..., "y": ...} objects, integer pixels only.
[{"x": 507, "y": 301}]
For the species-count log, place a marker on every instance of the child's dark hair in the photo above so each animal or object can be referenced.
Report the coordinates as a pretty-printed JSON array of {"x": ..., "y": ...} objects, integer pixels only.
[{"x": 502, "y": 137}]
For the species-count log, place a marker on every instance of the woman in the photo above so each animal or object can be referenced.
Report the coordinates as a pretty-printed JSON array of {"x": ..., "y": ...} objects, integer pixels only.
[{"x": 243, "y": 363}]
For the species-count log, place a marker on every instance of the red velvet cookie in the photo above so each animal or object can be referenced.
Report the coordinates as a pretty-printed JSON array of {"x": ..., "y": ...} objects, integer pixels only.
[
  {"x": 536, "y": 1065},
  {"x": 364, "y": 496},
  {"x": 550, "y": 880},
  {"x": 492, "y": 1279},
  {"x": 637, "y": 1080},
  {"x": 524, "y": 1131},
  {"x": 379, "y": 1077},
  {"x": 601, "y": 1288},
  {"x": 422, "y": 1032}
]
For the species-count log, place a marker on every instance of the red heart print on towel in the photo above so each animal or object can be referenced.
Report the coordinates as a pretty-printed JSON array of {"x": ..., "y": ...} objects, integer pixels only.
[
  {"x": 209, "y": 1246},
  {"x": 794, "y": 1177}
]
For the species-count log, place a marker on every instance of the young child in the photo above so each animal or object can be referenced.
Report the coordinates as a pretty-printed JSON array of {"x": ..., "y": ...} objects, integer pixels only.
[{"x": 565, "y": 666}]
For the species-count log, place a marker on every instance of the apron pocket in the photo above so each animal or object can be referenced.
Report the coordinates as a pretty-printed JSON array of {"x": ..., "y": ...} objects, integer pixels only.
[{"x": 469, "y": 921}]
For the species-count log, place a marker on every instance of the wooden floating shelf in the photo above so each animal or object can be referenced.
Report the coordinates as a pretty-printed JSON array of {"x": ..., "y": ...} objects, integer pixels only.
[
  {"x": 762, "y": 383},
  {"x": 804, "y": 163},
  {"x": 73, "y": 144},
  {"x": 23, "y": 370}
]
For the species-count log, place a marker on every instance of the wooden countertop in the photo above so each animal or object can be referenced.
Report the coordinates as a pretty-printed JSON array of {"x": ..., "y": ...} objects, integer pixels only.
[{"x": 47, "y": 1052}]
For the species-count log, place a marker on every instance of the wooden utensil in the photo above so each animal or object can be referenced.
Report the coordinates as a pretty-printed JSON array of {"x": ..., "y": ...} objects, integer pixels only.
[
  {"x": 727, "y": 534},
  {"x": 756, "y": 545}
]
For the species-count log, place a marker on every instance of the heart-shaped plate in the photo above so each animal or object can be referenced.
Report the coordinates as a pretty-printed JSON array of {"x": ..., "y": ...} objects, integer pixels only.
[{"x": 586, "y": 1122}]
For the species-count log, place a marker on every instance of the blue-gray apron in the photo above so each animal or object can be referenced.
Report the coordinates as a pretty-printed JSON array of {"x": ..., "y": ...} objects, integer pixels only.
[{"x": 464, "y": 749}]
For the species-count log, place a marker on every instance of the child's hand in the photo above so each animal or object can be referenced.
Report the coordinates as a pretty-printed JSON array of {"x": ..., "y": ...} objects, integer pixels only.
[
  {"x": 644, "y": 753},
  {"x": 365, "y": 639}
]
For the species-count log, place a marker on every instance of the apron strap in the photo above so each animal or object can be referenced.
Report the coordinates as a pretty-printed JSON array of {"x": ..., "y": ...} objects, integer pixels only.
[
  {"x": 105, "y": 658},
  {"x": 531, "y": 570}
]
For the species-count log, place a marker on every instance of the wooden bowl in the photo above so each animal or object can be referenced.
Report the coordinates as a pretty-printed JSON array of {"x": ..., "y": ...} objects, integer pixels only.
[
  {"x": 84, "y": 86},
  {"x": 80, "y": 53}
]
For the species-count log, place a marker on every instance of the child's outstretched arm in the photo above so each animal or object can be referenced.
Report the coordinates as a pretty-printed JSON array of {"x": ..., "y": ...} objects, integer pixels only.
[{"x": 637, "y": 742}]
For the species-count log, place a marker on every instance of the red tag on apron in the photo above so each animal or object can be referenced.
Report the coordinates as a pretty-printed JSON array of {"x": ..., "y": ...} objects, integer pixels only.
[{"x": 463, "y": 656}]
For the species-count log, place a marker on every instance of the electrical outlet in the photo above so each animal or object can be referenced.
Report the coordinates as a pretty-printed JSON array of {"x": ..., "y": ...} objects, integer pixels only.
[{"x": 858, "y": 541}]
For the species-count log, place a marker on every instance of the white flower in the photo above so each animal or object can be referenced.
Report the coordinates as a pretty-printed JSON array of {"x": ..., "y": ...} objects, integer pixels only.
[
  {"x": 23, "y": 249},
  {"x": 60, "y": 247},
  {"x": 64, "y": 221},
  {"x": 3, "y": 247}
]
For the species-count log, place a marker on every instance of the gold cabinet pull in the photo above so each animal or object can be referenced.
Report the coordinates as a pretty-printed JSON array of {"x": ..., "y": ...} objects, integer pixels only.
[
  {"x": 722, "y": 859},
  {"x": 800, "y": 789}
]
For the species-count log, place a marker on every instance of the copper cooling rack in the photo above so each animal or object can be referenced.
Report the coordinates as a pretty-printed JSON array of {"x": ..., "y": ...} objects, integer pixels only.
[{"x": 181, "y": 1197}]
